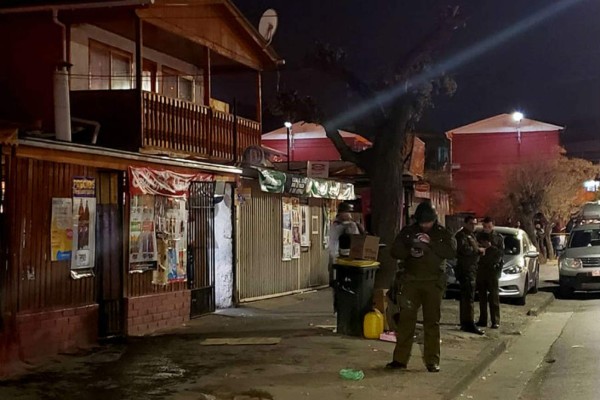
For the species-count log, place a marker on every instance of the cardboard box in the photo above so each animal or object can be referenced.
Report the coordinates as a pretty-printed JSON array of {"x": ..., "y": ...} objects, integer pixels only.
[{"x": 364, "y": 247}]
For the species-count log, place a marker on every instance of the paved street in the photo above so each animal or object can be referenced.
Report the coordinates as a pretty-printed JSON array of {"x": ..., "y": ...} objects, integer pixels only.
[
  {"x": 176, "y": 366},
  {"x": 556, "y": 358}
]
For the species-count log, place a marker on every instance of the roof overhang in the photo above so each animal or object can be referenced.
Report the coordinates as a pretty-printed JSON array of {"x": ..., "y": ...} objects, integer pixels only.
[
  {"x": 503, "y": 123},
  {"x": 14, "y": 7}
]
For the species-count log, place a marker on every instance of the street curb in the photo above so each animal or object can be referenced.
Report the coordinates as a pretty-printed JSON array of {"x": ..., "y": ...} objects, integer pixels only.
[
  {"x": 489, "y": 354},
  {"x": 535, "y": 311},
  {"x": 486, "y": 357}
]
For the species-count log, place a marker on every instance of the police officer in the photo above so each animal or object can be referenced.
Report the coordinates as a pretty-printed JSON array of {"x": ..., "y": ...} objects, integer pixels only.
[
  {"x": 488, "y": 273},
  {"x": 468, "y": 252},
  {"x": 423, "y": 248}
]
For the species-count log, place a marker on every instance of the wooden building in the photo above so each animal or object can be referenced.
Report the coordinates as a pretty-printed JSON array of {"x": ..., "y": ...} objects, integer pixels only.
[{"x": 139, "y": 123}]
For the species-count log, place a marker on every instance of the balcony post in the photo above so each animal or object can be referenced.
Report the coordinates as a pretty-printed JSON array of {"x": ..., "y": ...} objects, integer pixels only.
[
  {"x": 235, "y": 132},
  {"x": 259, "y": 99},
  {"x": 139, "y": 44},
  {"x": 207, "y": 80}
]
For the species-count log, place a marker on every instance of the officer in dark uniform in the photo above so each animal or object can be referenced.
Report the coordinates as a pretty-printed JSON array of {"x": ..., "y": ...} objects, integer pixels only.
[
  {"x": 488, "y": 273},
  {"x": 423, "y": 248},
  {"x": 468, "y": 252}
]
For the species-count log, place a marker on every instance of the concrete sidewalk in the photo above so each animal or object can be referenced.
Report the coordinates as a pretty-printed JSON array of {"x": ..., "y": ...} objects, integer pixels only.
[{"x": 304, "y": 365}]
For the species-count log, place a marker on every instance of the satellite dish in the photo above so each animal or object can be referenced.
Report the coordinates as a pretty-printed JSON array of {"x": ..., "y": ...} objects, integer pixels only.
[{"x": 268, "y": 25}]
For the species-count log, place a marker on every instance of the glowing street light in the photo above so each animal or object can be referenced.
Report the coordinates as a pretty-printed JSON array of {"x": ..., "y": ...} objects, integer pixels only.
[
  {"x": 518, "y": 116},
  {"x": 288, "y": 124}
]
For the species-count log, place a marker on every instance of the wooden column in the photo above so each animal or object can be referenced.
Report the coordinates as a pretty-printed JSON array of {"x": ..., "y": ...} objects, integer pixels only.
[
  {"x": 259, "y": 98},
  {"x": 207, "y": 85},
  {"x": 139, "y": 61}
]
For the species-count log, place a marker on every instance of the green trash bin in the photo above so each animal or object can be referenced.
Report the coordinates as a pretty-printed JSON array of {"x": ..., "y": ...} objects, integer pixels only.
[{"x": 354, "y": 286}]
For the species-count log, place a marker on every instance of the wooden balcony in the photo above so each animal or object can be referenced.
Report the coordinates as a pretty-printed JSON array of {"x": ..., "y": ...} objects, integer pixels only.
[{"x": 166, "y": 125}]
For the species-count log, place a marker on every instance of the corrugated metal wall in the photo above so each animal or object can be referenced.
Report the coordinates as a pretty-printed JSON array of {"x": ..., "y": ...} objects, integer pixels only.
[
  {"x": 260, "y": 269},
  {"x": 42, "y": 284}
]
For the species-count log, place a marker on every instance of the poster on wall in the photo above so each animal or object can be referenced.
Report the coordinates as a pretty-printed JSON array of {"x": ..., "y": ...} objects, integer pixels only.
[
  {"x": 84, "y": 223},
  {"x": 142, "y": 234},
  {"x": 171, "y": 226},
  {"x": 61, "y": 229},
  {"x": 288, "y": 241},
  {"x": 328, "y": 218},
  {"x": 305, "y": 226},
  {"x": 296, "y": 222}
]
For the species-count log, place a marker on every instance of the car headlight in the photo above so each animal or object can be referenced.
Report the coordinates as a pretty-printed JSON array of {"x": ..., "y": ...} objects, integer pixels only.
[
  {"x": 512, "y": 269},
  {"x": 571, "y": 263}
]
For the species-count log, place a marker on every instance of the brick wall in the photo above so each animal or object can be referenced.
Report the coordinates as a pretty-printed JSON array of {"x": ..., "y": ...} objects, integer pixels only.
[
  {"x": 59, "y": 331},
  {"x": 147, "y": 314}
]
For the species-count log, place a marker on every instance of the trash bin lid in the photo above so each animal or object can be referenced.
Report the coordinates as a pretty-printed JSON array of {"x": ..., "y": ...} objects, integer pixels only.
[{"x": 348, "y": 262}]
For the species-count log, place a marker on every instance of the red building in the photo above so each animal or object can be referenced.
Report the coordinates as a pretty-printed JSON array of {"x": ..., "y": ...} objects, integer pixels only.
[
  {"x": 308, "y": 142},
  {"x": 482, "y": 153}
]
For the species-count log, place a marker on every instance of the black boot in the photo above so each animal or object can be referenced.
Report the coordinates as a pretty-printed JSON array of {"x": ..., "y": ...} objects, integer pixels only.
[{"x": 472, "y": 328}]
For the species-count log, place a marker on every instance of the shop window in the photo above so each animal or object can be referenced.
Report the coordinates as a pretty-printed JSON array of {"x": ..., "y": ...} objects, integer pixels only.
[{"x": 109, "y": 68}]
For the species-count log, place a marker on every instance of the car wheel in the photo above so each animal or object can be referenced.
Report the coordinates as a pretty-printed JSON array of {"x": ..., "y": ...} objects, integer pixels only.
[
  {"x": 536, "y": 282},
  {"x": 521, "y": 301}
]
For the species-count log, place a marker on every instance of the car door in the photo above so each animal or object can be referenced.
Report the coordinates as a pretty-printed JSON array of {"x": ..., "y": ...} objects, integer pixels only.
[{"x": 529, "y": 261}]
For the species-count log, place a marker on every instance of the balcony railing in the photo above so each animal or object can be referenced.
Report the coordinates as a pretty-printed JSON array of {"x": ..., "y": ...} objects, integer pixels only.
[{"x": 182, "y": 126}]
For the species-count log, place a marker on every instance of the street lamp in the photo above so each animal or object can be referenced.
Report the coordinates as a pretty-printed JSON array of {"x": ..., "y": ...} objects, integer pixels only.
[
  {"x": 518, "y": 117},
  {"x": 288, "y": 127}
]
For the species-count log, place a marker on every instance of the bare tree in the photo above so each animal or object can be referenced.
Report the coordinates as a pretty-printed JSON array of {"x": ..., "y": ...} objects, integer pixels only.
[
  {"x": 550, "y": 187},
  {"x": 390, "y": 109}
]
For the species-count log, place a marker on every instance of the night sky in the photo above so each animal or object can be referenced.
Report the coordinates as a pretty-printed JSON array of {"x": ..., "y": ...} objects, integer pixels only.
[{"x": 551, "y": 72}]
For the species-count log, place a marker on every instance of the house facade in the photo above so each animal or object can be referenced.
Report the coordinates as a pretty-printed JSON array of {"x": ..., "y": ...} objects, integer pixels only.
[
  {"x": 484, "y": 151},
  {"x": 118, "y": 166}
]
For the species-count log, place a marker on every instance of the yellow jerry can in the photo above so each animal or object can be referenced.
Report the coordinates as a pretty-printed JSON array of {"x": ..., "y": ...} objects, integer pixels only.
[{"x": 373, "y": 324}]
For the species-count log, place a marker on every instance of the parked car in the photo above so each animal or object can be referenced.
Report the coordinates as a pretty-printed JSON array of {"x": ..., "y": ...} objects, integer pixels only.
[
  {"x": 579, "y": 264},
  {"x": 521, "y": 269}
]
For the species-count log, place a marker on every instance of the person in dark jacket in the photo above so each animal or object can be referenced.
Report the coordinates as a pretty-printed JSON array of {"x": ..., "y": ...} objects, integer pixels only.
[
  {"x": 468, "y": 253},
  {"x": 423, "y": 248},
  {"x": 488, "y": 274}
]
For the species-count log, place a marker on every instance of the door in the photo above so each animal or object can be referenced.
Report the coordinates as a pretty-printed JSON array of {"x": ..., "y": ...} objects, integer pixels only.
[
  {"x": 201, "y": 247},
  {"x": 529, "y": 261},
  {"x": 109, "y": 254}
]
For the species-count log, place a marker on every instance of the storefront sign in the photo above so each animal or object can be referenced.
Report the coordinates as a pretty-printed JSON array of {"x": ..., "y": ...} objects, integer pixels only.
[
  {"x": 280, "y": 182},
  {"x": 423, "y": 190},
  {"x": 61, "y": 229},
  {"x": 162, "y": 182},
  {"x": 296, "y": 185},
  {"x": 271, "y": 181},
  {"x": 84, "y": 223},
  {"x": 317, "y": 169}
]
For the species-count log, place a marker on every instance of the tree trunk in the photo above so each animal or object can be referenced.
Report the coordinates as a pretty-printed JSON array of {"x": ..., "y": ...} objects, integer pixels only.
[{"x": 387, "y": 193}]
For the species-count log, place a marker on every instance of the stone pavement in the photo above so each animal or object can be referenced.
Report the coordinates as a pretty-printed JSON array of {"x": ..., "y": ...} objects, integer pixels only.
[{"x": 304, "y": 365}]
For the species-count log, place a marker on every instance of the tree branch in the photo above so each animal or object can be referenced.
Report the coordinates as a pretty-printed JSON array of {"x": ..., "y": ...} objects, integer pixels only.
[
  {"x": 342, "y": 147},
  {"x": 414, "y": 61}
]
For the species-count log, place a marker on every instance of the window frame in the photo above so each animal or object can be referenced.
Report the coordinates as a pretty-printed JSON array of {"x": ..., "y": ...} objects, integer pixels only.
[
  {"x": 165, "y": 70},
  {"x": 112, "y": 50}
]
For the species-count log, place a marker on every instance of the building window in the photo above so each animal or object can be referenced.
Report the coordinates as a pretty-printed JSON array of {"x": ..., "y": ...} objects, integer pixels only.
[
  {"x": 149, "y": 76},
  {"x": 177, "y": 85},
  {"x": 110, "y": 68}
]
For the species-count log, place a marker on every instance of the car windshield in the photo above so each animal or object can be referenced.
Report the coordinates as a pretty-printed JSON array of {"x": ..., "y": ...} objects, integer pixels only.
[
  {"x": 512, "y": 245},
  {"x": 585, "y": 238}
]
